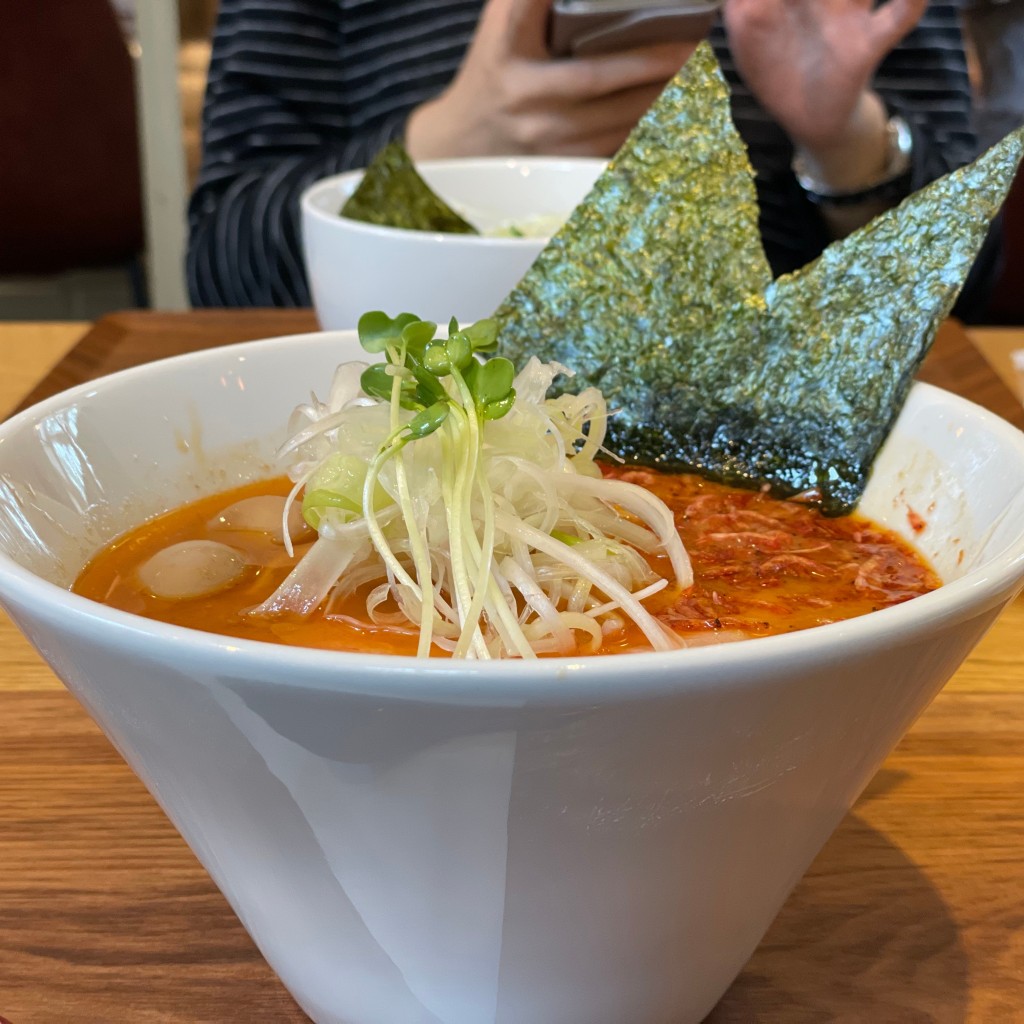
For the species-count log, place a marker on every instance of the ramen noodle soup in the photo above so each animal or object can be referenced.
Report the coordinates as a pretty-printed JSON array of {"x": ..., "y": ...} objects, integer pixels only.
[
  {"x": 761, "y": 566},
  {"x": 439, "y": 503}
]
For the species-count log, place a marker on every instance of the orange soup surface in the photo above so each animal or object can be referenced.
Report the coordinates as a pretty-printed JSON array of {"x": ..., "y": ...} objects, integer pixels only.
[{"x": 762, "y": 566}]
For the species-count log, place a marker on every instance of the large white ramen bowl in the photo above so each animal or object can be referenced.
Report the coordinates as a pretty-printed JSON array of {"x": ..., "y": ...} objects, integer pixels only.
[
  {"x": 353, "y": 266},
  {"x": 569, "y": 841}
]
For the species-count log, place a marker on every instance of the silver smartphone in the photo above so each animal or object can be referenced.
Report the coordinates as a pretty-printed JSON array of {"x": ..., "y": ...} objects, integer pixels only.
[{"x": 582, "y": 28}]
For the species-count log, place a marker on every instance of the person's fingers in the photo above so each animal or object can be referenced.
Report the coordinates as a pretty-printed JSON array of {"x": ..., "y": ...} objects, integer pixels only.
[
  {"x": 892, "y": 21},
  {"x": 526, "y": 26},
  {"x": 620, "y": 111},
  {"x": 585, "y": 78},
  {"x": 752, "y": 15},
  {"x": 606, "y": 144},
  {"x": 603, "y": 141},
  {"x": 596, "y": 128}
]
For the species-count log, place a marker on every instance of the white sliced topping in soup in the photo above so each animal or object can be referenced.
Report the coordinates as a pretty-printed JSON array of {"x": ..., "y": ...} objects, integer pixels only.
[
  {"x": 263, "y": 514},
  {"x": 193, "y": 568}
]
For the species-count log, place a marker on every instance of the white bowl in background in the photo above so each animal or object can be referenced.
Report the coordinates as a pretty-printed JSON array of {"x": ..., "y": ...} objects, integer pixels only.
[
  {"x": 354, "y": 267},
  {"x": 599, "y": 840}
]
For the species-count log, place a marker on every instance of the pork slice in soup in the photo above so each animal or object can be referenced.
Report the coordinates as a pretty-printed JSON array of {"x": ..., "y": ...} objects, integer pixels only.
[{"x": 762, "y": 566}]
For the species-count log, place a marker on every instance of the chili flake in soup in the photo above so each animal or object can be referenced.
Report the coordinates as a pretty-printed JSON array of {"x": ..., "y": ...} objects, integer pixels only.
[{"x": 761, "y": 566}]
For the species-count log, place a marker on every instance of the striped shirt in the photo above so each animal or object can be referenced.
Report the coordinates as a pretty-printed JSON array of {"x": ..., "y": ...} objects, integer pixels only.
[{"x": 301, "y": 89}]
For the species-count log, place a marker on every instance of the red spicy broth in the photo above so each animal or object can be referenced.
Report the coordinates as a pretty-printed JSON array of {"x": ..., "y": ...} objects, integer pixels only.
[{"x": 762, "y": 566}]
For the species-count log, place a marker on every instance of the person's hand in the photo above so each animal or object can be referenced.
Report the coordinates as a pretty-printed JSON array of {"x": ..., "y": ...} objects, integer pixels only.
[
  {"x": 810, "y": 62},
  {"x": 510, "y": 96}
]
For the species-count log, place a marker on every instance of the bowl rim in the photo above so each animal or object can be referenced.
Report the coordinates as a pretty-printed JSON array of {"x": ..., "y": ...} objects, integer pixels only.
[
  {"x": 409, "y": 236},
  {"x": 549, "y": 679}
]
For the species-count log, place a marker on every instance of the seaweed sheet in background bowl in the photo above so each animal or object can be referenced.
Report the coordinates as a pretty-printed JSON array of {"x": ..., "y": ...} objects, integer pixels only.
[
  {"x": 657, "y": 290},
  {"x": 393, "y": 194}
]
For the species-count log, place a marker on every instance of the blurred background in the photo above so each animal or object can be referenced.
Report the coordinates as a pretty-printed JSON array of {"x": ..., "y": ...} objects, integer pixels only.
[
  {"x": 100, "y": 107},
  {"x": 100, "y": 110}
]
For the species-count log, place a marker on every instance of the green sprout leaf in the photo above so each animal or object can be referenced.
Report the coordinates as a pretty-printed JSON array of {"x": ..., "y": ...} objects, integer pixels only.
[
  {"x": 429, "y": 389},
  {"x": 444, "y": 355},
  {"x": 483, "y": 335},
  {"x": 498, "y": 408},
  {"x": 427, "y": 421},
  {"x": 377, "y": 382},
  {"x": 417, "y": 335},
  {"x": 491, "y": 381},
  {"x": 436, "y": 361},
  {"x": 421, "y": 362},
  {"x": 460, "y": 350},
  {"x": 377, "y": 330}
]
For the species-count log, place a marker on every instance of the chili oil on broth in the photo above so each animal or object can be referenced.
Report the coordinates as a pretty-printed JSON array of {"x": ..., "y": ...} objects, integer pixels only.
[{"x": 762, "y": 566}]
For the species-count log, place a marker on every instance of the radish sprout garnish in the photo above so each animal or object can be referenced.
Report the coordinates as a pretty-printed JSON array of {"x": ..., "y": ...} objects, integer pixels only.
[{"x": 467, "y": 505}]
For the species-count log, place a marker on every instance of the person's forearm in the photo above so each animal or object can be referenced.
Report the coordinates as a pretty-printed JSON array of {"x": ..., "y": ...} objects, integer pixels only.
[
  {"x": 858, "y": 159},
  {"x": 859, "y": 156}
]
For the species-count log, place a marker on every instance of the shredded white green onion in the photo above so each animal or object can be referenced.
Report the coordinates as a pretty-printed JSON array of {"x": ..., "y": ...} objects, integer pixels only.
[{"x": 468, "y": 506}]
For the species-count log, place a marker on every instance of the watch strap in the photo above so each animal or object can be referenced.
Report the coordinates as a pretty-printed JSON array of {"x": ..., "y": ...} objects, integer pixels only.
[{"x": 892, "y": 185}]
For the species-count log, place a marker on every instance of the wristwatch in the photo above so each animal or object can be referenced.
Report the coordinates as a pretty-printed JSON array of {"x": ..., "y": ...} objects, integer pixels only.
[{"x": 891, "y": 185}]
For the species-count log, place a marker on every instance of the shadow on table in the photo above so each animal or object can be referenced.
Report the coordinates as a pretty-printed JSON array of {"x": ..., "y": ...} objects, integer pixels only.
[{"x": 843, "y": 949}]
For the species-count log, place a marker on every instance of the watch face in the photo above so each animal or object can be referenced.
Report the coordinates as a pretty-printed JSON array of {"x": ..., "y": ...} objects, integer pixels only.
[{"x": 901, "y": 142}]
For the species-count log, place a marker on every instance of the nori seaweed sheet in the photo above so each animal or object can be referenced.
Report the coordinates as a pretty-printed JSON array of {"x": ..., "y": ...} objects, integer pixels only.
[
  {"x": 392, "y": 194},
  {"x": 664, "y": 247},
  {"x": 657, "y": 291}
]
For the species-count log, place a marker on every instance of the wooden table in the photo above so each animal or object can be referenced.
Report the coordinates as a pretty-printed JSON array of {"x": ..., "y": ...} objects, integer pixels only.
[{"x": 913, "y": 912}]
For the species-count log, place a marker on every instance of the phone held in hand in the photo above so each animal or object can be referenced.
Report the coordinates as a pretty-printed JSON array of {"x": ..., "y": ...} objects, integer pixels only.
[{"x": 583, "y": 28}]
